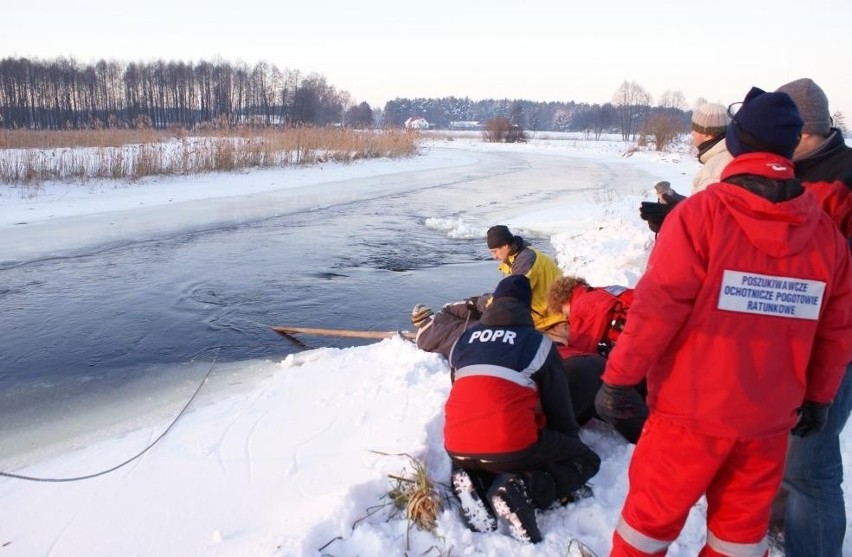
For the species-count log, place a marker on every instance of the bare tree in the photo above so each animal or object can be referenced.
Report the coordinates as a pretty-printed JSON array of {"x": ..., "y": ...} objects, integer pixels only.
[
  {"x": 839, "y": 121},
  {"x": 672, "y": 99},
  {"x": 632, "y": 102}
]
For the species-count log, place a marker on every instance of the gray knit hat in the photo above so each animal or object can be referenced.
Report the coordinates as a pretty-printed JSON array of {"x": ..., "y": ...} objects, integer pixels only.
[
  {"x": 812, "y": 104},
  {"x": 710, "y": 119}
]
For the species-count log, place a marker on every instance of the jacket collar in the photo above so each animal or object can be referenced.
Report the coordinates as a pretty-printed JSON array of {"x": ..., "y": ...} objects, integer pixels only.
[{"x": 768, "y": 165}]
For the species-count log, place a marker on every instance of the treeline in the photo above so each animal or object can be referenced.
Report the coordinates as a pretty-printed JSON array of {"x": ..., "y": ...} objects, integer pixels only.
[
  {"x": 64, "y": 94},
  {"x": 627, "y": 115}
]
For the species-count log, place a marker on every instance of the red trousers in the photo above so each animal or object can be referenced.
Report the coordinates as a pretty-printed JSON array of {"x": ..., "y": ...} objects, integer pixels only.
[{"x": 672, "y": 467}]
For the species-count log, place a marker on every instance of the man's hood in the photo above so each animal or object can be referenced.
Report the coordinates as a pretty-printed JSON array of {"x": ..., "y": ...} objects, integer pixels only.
[
  {"x": 777, "y": 229},
  {"x": 506, "y": 311}
]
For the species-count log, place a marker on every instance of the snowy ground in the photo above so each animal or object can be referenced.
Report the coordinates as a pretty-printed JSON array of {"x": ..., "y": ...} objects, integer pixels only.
[{"x": 298, "y": 464}]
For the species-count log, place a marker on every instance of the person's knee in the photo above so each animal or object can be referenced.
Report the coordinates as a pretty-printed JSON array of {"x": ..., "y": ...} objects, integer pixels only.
[
  {"x": 570, "y": 475},
  {"x": 541, "y": 488}
]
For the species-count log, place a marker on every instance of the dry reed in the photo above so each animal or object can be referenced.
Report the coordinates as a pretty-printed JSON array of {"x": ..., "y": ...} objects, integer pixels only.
[
  {"x": 413, "y": 494},
  {"x": 33, "y": 157}
]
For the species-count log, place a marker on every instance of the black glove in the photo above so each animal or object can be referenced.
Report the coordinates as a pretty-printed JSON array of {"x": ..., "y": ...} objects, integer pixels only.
[
  {"x": 477, "y": 304},
  {"x": 472, "y": 305},
  {"x": 614, "y": 403},
  {"x": 654, "y": 214},
  {"x": 812, "y": 418},
  {"x": 672, "y": 198}
]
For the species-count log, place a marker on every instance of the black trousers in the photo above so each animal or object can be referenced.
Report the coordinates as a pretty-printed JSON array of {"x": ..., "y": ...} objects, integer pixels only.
[
  {"x": 554, "y": 467},
  {"x": 584, "y": 378}
]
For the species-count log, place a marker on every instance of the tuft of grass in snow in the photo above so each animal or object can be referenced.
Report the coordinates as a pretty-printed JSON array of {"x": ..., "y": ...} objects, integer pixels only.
[{"x": 416, "y": 495}]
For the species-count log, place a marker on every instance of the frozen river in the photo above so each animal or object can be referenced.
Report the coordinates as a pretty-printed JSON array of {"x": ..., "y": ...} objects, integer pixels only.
[{"x": 94, "y": 313}]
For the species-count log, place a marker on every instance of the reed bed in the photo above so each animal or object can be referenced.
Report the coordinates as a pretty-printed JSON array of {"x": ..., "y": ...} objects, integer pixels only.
[{"x": 34, "y": 157}]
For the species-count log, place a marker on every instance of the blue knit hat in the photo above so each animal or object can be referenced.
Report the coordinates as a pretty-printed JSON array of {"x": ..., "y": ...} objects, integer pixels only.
[
  {"x": 515, "y": 286},
  {"x": 766, "y": 122}
]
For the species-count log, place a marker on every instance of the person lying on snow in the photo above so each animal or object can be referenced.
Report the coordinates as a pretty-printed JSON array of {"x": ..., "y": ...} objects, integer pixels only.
[
  {"x": 513, "y": 442},
  {"x": 597, "y": 317}
]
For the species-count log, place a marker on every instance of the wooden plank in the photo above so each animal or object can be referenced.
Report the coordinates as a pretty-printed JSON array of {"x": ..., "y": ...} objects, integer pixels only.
[{"x": 348, "y": 333}]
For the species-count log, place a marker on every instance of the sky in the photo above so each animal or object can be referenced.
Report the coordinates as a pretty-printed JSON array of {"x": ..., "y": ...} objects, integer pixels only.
[
  {"x": 258, "y": 468},
  {"x": 548, "y": 50}
]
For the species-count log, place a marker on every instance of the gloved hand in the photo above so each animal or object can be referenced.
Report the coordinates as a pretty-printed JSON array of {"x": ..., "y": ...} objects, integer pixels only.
[
  {"x": 672, "y": 198},
  {"x": 812, "y": 418},
  {"x": 472, "y": 305},
  {"x": 654, "y": 213},
  {"x": 420, "y": 315},
  {"x": 614, "y": 403}
]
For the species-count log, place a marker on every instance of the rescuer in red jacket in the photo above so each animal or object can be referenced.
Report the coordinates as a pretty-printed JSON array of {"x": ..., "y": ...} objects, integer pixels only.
[
  {"x": 595, "y": 317},
  {"x": 741, "y": 326}
]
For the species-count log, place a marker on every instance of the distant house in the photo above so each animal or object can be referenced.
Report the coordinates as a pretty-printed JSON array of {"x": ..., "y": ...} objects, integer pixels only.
[{"x": 417, "y": 123}]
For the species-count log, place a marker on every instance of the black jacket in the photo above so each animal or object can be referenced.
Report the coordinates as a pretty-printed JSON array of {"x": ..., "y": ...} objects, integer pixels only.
[
  {"x": 832, "y": 161},
  {"x": 553, "y": 390}
]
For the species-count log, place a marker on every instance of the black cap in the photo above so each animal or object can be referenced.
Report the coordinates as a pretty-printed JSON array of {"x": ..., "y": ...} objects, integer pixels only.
[
  {"x": 499, "y": 236},
  {"x": 515, "y": 286}
]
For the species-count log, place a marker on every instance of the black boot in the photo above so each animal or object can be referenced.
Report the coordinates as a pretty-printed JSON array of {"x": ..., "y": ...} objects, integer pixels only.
[
  {"x": 471, "y": 492},
  {"x": 508, "y": 496}
]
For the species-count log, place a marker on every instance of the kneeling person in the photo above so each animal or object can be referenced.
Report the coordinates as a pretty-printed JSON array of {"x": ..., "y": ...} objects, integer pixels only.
[{"x": 513, "y": 440}]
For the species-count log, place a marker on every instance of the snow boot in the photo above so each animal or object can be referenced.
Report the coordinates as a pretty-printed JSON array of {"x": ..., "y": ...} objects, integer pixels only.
[
  {"x": 469, "y": 489},
  {"x": 508, "y": 496},
  {"x": 582, "y": 492}
]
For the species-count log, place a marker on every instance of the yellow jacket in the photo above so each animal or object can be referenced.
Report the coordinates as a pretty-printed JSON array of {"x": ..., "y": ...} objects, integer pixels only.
[{"x": 542, "y": 271}]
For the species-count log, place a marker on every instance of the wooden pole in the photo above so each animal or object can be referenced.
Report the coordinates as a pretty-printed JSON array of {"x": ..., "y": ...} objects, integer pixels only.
[{"x": 349, "y": 333}]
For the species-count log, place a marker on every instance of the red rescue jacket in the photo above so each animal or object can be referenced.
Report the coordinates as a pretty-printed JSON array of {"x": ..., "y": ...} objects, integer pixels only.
[
  {"x": 597, "y": 315},
  {"x": 836, "y": 200},
  {"x": 744, "y": 311}
]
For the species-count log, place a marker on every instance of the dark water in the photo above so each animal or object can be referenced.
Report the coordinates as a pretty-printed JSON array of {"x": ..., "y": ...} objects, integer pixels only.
[
  {"x": 83, "y": 331},
  {"x": 166, "y": 301}
]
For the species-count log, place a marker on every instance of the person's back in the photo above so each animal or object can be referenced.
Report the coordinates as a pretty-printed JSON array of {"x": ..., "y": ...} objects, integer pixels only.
[
  {"x": 596, "y": 316},
  {"x": 509, "y": 427},
  {"x": 493, "y": 413},
  {"x": 815, "y": 518},
  {"x": 789, "y": 251}
]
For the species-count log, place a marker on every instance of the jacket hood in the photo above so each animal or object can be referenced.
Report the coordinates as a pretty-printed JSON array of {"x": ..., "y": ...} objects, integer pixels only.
[
  {"x": 777, "y": 229},
  {"x": 506, "y": 311}
]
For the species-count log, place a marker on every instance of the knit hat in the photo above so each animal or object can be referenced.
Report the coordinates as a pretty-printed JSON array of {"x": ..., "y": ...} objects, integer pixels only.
[
  {"x": 766, "y": 122},
  {"x": 514, "y": 286},
  {"x": 499, "y": 236},
  {"x": 812, "y": 104},
  {"x": 710, "y": 119}
]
